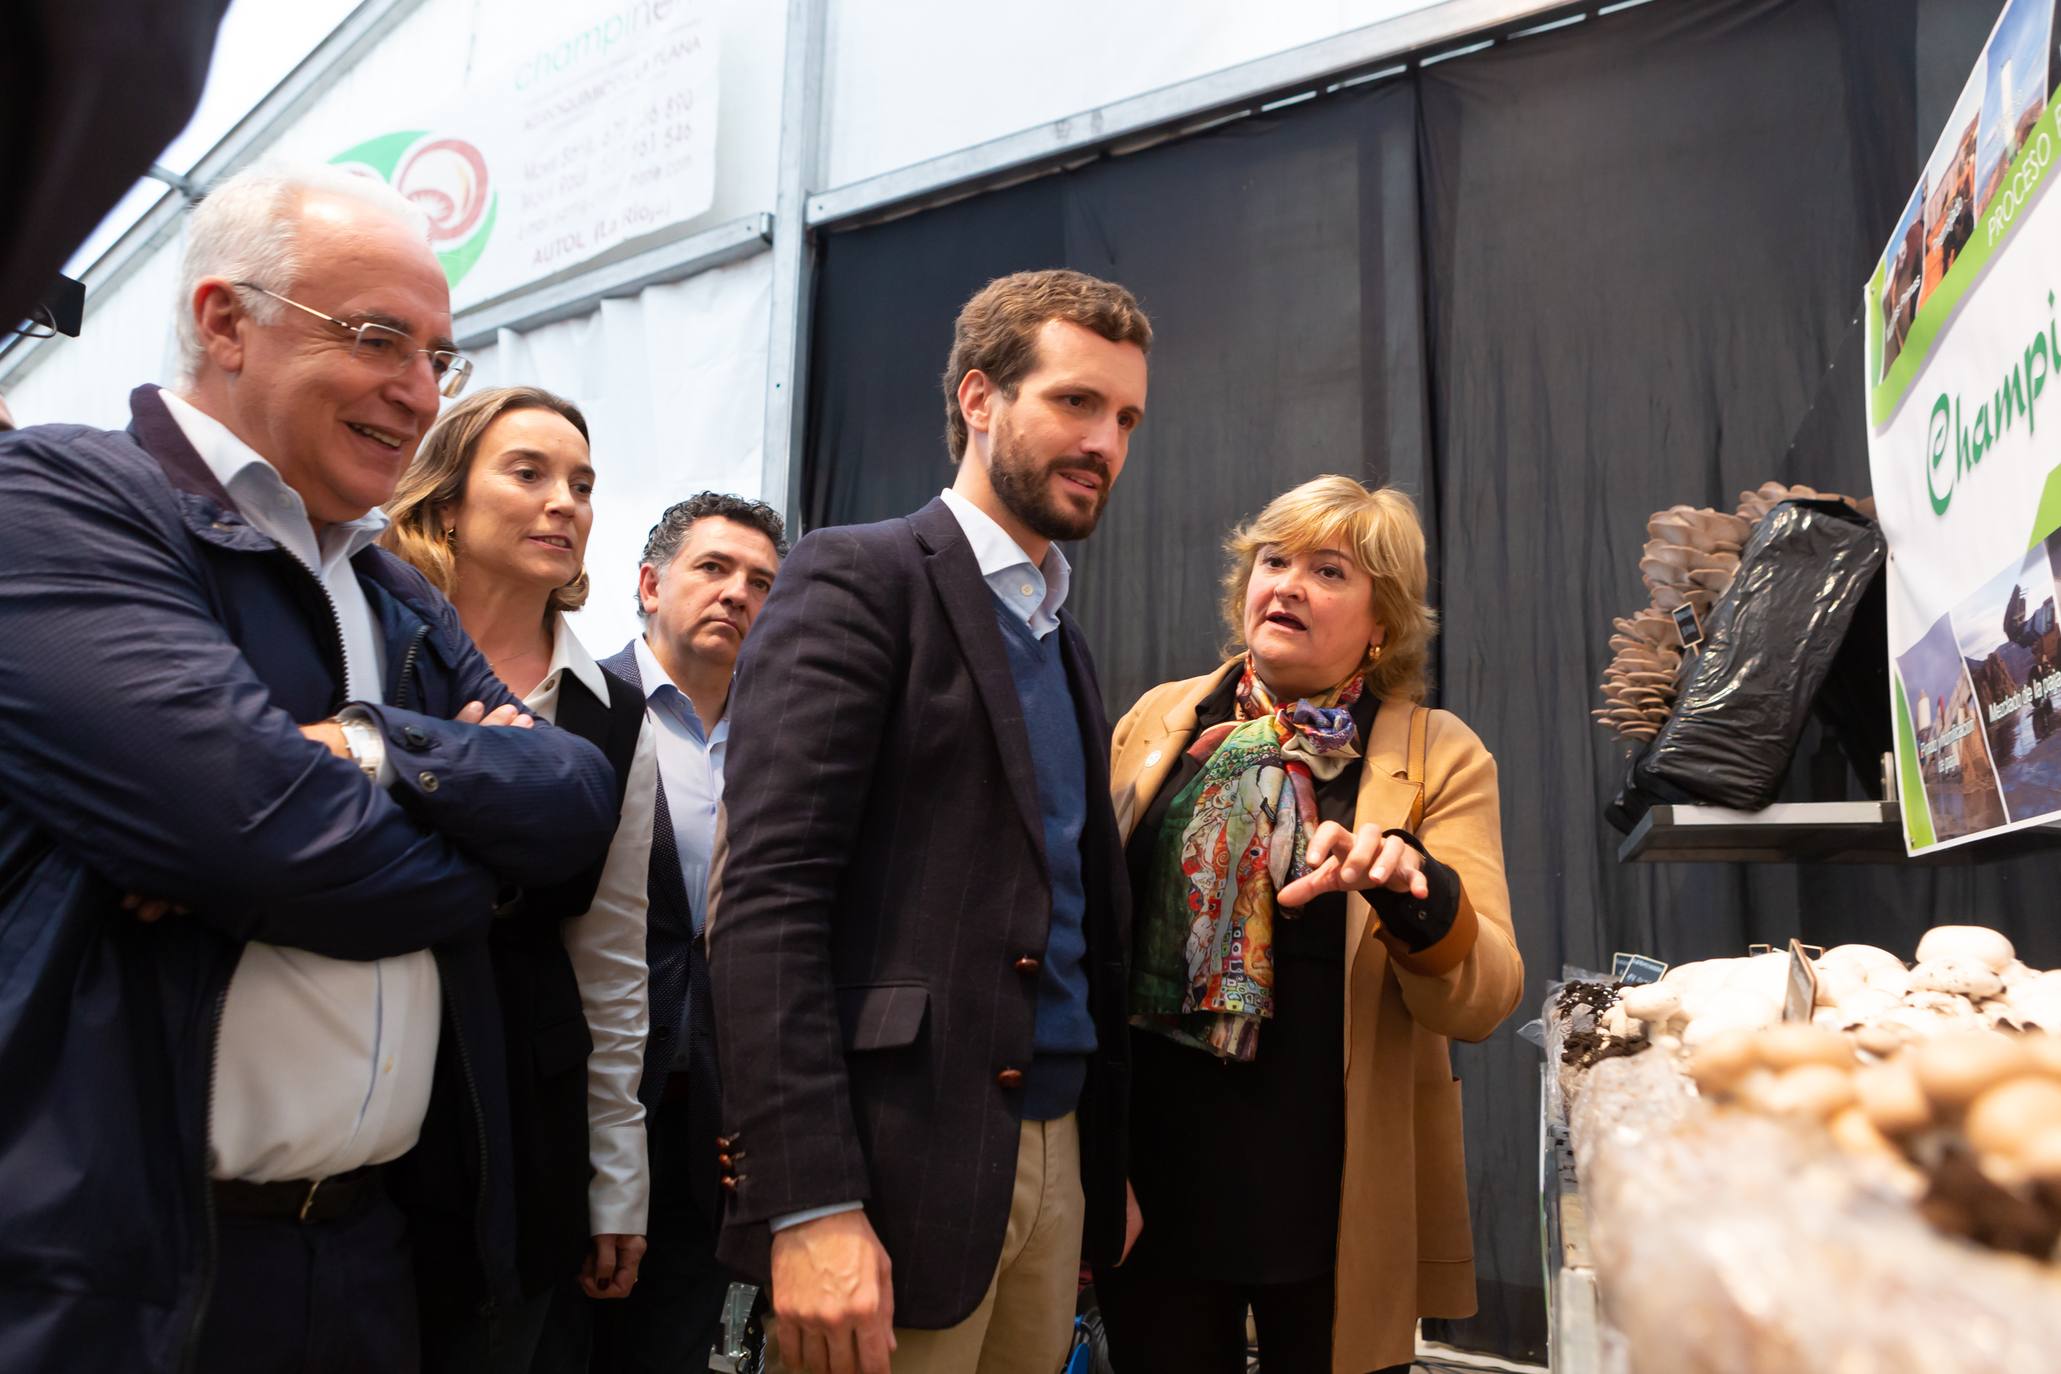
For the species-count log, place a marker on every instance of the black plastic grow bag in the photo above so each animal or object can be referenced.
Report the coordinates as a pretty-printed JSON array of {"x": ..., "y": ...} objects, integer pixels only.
[{"x": 1768, "y": 647}]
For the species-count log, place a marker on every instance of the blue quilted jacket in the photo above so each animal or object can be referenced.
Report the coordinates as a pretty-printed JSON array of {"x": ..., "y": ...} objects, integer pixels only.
[{"x": 157, "y": 654}]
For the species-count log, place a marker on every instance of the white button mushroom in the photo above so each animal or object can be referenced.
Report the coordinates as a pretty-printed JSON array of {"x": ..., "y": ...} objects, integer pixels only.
[
  {"x": 1963, "y": 977},
  {"x": 1650, "y": 1001},
  {"x": 1978, "y": 943},
  {"x": 1744, "y": 1013},
  {"x": 1869, "y": 1004},
  {"x": 1860, "y": 959},
  {"x": 1837, "y": 983},
  {"x": 2037, "y": 1002}
]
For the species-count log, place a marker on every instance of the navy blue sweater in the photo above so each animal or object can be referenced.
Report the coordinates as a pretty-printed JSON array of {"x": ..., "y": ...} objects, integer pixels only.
[{"x": 1064, "y": 1033}]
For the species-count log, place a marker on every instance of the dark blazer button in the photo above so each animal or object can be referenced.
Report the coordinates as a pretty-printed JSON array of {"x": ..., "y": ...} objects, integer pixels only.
[
  {"x": 1027, "y": 966},
  {"x": 730, "y": 1182},
  {"x": 1010, "y": 1078},
  {"x": 725, "y": 1160},
  {"x": 724, "y": 1142},
  {"x": 416, "y": 736},
  {"x": 428, "y": 780}
]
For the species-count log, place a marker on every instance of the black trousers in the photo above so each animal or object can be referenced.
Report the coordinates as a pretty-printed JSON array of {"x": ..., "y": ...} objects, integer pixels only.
[
  {"x": 1170, "y": 1323},
  {"x": 671, "y": 1317},
  {"x": 334, "y": 1297},
  {"x": 462, "y": 1341}
]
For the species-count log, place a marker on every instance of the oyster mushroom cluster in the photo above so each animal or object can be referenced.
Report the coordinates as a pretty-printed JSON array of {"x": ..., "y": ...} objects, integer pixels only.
[
  {"x": 1690, "y": 557},
  {"x": 1639, "y": 686},
  {"x": 1689, "y": 560},
  {"x": 1754, "y": 505},
  {"x": 1967, "y": 1124}
]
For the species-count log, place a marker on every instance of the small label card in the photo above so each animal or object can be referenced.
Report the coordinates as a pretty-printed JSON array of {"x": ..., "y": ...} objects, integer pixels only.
[
  {"x": 1802, "y": 997},
  {"x": 1635, "y": 968},
  {"x": 1687, "y": 627}
]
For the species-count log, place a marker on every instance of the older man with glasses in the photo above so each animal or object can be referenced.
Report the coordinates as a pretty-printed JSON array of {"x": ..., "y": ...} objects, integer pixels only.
[{"x": 260, "y": 799}]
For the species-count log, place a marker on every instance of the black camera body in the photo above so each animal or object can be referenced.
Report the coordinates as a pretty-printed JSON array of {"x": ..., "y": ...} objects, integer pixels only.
[{"x": 61, "y": 311}]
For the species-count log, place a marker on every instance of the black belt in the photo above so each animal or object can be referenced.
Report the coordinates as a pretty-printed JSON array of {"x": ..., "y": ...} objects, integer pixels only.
[{"x": 304, "y": 1200}]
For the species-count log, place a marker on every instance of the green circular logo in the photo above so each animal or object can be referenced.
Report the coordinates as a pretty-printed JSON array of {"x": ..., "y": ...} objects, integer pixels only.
[{"x": 447, "y": 178}]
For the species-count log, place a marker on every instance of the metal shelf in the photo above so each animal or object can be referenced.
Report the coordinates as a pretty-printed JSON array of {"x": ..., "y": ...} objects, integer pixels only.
[
  {"x": 1846, "y": 832},
  {"x": 1575, "y": 1326}
]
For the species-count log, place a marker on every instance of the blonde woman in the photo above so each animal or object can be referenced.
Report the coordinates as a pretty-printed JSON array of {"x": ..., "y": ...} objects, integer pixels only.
[
  {"x": 496, "y": 510},
  {"x": 1316, "y": 867}
]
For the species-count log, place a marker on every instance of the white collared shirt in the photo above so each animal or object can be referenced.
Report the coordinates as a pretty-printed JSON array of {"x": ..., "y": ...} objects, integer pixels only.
[
  {"x": 322, "y": 1065},
  {"x": 1033, "y": 593},
  {"x": 607, "y": 949}
]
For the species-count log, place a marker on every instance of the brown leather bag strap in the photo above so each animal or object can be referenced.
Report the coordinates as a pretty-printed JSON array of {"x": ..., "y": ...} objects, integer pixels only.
[{"x": 1420, "y": 724}]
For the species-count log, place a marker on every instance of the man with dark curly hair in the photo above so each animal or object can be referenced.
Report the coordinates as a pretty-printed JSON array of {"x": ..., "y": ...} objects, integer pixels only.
[{"x": 708, "y": 564}]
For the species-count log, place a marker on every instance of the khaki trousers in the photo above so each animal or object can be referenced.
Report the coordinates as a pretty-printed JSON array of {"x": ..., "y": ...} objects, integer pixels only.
[{"x": 1025, "y": 1320}]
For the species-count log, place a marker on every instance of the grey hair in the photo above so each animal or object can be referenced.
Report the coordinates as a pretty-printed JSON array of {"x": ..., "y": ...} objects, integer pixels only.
[
  {"x": 669, "y": 535},
  {"x": 246, "y": 229}
]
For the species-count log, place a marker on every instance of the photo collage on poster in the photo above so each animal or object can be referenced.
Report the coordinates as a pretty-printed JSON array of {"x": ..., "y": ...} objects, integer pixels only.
[
  {"x": 1984, "y": 690},
  {"x": 1997, "y": 110}
]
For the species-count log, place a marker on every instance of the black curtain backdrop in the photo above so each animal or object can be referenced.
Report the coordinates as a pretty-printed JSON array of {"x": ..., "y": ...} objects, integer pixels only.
[{"x": 1548, "y": 288}]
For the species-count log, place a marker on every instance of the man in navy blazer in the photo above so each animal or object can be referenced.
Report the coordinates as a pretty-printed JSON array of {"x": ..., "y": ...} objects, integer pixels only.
[
  {"x": 917, "y": 937},
  {"x": 260, "y": 798},
  {"x": 707, "y": 566}
]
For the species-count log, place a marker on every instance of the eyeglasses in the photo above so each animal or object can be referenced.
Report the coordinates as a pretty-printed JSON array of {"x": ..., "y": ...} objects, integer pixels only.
[{"x": 387, "y": 348}]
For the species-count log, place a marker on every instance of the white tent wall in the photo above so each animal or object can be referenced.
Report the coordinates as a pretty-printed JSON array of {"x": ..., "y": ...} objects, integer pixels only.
[
  {"x": 903, "y": 82},
  {"x": 911, "y": 80},
  {"x": 128, "y": 341},
  {"x": 434, "y": 51},
  {"x": 672, "y": 379}
]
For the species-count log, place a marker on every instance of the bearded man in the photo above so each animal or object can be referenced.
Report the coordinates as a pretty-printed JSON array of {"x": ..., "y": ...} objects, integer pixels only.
[{"x": 917, "y": 922}]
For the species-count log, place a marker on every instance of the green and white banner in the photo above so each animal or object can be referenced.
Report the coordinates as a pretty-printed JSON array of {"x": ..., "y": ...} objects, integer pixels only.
[
  {"x": 1964, "y": 340},
  {"x": 580, "y": 127}
]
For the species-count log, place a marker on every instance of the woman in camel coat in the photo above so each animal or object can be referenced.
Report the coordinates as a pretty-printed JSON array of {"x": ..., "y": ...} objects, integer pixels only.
[{"x": 1317, "y": 865}]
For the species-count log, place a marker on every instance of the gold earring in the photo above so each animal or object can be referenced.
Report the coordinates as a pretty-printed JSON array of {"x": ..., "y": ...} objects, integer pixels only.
[
  {"x": 1373, "y": 655},
  {"x": 451, "y": 535}
]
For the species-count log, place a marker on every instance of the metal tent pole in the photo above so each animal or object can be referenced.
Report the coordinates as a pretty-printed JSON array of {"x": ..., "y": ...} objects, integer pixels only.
[{"x": 787, "y": 361}]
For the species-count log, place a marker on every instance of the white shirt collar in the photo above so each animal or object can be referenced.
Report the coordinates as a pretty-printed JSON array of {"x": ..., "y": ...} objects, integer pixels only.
[
  {"x": 568, "y": 655},
  {"x": 996, "y": 552},
  {"x": 650, "y": 670},
  {"x": 655, "y": 677},
  {"x": 263, "y": 495}
]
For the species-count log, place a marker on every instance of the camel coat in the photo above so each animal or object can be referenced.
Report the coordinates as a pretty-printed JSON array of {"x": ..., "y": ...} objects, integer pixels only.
[{"x": 1404, "y": 1247}]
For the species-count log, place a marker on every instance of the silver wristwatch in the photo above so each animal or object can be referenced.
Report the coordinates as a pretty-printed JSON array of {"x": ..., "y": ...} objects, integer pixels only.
[{"x": 367, "y": 746}]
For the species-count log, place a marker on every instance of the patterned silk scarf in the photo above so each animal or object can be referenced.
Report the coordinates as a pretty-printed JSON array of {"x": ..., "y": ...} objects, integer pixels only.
[{"x": 1234, "y": 836}]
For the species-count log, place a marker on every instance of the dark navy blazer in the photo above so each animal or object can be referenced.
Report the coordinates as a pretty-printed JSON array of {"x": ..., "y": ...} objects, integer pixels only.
[{"x": 880, "y": 913}]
